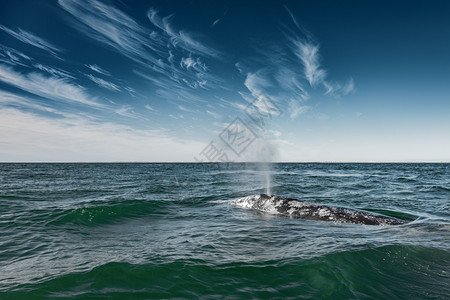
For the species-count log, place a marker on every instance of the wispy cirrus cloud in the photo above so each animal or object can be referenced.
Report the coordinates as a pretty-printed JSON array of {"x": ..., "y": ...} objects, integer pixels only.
[
  {"x": 163, "y": 53},
  {"x": 307, "y": 50},
  {"x": 289, "y": 80},
  {"x": 111, "y": 26},
  {"x": 54, "y": 71},
  {"x": 213, "y": 114},
  {"x": 308, "y": 53},
  {"x": 51, "y": 87},
  {"x": 159, "y": 81},
  {"x": 193, "y": 72},
  {"x": 32, "y": 39},
  {"x": 129, "y": 112},
  {"x": 104, "y": 84},
  {"x": 194, "y": 64},
  {"x": 349, "y": 87},
  {"x": 337, "y": 90},
  {"x": 281, "y": 85},
  {"x": 262, "y": 100},
  {"x": 293, "y": 18},
  {"x": 257, "y": 82},
  {"x": 12, "y": 56},
  {"x": 149, "y": 107},
  {"x": 293, "y": 72},
  {"x": 296, "y": 109},
  {"x": 39, "y": 107},
  {"x": 98, "y": 69},
  {"x": 181, "y": 107},
  {"x": 168, "y": 88},
  {"x": 17, "y": 101},
  {"x": 180, "y": 38}
]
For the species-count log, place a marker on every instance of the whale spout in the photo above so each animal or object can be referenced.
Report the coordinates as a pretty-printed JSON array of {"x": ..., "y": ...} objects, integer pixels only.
[{"x": 294, "y": 208}]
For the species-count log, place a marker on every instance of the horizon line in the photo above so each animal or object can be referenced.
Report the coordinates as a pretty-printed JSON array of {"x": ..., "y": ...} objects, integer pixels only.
[{"x": 230, "y": 162}]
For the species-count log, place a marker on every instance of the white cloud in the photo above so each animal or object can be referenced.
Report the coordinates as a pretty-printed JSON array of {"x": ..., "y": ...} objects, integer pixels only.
[
  {"x": 213, "y": 114},
  {"x": 257, "y": 84},
  {"x": 289, "y": 81},
  {"x": 294, "y": 20},
  {"x": 131, "y": 91},
  {"x": 55, "y": 88},
  {"x": 181, "y": 38},
  {"x": 128, "y": 111},
  {"x": 13, "y": 57},
  {"x": 36, "y": 106},
  {"x": 349, "y": 87},
  {"x": 171, "y": 58},
  {"x": 31, "y": 39},
  {"x": 20, "y": 102},
  {"x": 240, "y": 67},
  {"x": 181, "y": 107},
  {"x": 159, "y": 81},
  {"x": 290, "y": 76},
  {"x": 155, "y": 52},
  {"x": 190, "y": 63},
  {"x": 53, "y": 71},
  {"x": 308, "y": 53},
  {"x": 296, "y": 109},
  {"x": 103, "y": 83},
  {"x": 199, "y": 70},
  {"x": 215, "y": 23},
  {"x": 149, "y": 107},
  {"x": 172, "y": 90},
  {"x": 337, "y": 90},
  {"x": 111, "y": 26},
  {"x": 275, "y": 133},
  {"x": 98, "y": 69},
  {"x": 27, "y": 137}
]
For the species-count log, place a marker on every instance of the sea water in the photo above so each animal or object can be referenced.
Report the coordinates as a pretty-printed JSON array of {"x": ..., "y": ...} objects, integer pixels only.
[{"x": 168, "y": 231}]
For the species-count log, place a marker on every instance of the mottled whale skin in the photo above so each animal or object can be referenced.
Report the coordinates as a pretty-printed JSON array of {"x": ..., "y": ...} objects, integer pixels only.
[{"x": 305, "y": 210}]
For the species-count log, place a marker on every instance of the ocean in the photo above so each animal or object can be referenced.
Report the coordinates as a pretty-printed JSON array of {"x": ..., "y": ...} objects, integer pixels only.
[{"x": 165, "y": 230}]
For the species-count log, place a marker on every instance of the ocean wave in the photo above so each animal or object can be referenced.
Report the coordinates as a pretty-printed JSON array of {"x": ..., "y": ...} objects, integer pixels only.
[
  {"x": 407, "y": 179},
  {"x": 106, "y": 213},
  {"x": 316, "y": 173},
  {"x": 440, "y": 188},
  {"x": 394, "y": 272}
]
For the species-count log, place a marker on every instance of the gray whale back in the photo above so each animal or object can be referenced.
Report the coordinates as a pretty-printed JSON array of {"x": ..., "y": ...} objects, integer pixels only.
[{"x": 305, "y": 210}]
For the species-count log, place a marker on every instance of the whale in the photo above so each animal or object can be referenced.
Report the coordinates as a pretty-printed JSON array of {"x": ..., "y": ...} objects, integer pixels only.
[{"x": 294, "y": 208}]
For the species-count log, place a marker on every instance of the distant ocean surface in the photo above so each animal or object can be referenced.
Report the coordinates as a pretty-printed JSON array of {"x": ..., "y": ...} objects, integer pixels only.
[{"x": 146, "y": 231}]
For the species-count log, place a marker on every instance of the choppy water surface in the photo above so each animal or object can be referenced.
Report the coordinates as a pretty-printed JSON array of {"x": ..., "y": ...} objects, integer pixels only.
[{"x": 159, "y": 231}]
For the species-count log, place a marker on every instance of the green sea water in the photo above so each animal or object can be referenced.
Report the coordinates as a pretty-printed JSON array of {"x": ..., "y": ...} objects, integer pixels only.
[{"x": 146, "y": 231}]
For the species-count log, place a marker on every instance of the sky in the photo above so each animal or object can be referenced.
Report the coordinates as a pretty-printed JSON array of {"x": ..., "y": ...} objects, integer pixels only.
[{"x": 207, "y": 81}]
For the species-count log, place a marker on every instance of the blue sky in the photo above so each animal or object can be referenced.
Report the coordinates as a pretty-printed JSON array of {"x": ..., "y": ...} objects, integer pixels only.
[{"x": 224, "y": 80}]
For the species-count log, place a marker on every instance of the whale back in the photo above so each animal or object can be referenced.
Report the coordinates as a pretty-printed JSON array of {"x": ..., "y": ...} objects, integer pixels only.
[{"x": 294, "y": 208}]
